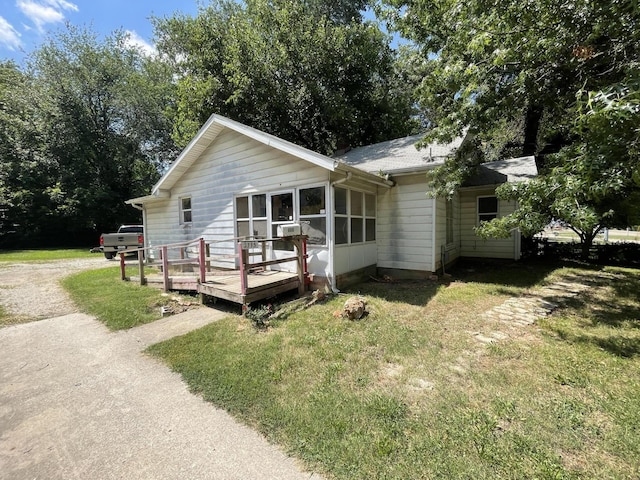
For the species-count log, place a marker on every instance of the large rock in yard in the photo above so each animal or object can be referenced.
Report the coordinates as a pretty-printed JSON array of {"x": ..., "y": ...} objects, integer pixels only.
[{"x": 354, "y": 308}]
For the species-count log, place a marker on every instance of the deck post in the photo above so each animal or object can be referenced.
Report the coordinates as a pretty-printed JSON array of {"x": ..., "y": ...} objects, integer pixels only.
[
  {"x": 143, "y": 281},
  {"x": 264, "y": 251},
  {"x": 165, "y": 269},
  {"x": 242, "y": 254},
  {"x": 202, "y": 259},
  {"x": 208, "y": 254},
  {"x": 123, "y": 273},
  {"x": 305, "y": 266},
  {"x": 298, "y": 242}
]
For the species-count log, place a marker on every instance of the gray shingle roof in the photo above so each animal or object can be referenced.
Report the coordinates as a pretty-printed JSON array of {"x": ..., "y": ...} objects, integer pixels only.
[
  {"x": 399, "y": 155},
  {"x": 511, "y": 170}
]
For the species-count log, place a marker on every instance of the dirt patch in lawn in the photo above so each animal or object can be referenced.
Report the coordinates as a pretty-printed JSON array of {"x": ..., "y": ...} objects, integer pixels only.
[{"x": 32, "y": 291}]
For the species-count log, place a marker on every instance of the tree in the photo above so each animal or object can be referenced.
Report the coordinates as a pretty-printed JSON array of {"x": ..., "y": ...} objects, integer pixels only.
[
  {"x": 26, "y": 175},
  {"x": 98, "y": 110},
  {"x": 308, "y": 72},
  {"x": 593, "y": 183},
  {"x": 533, "y": 77}
]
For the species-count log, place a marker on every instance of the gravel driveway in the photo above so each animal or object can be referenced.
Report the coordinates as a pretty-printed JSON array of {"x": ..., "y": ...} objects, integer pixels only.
[
  {"x": 33, "y": 289},
  {"x": 80, "y": 402}
]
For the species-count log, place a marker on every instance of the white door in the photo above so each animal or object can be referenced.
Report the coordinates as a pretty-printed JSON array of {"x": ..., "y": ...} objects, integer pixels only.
[{"x": 282, "y": 211}]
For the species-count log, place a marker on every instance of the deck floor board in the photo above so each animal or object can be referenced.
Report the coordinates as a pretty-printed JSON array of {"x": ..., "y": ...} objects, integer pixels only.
[{"x": 260, "y": 285}]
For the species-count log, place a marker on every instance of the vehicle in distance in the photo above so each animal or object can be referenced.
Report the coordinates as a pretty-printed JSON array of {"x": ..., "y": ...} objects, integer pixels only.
[{"x": 127, "y": 237}]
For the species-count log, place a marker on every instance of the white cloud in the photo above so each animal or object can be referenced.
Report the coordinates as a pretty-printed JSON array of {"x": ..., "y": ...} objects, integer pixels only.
[
  {"x": 42, "y": 12},
  {"x": 136, "y": 41},
  {"x": 9, "y": 36}
]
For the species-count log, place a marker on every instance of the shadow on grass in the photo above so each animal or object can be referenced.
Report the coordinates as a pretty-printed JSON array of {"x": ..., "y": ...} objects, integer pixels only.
[
  {"x": 620, "y": 310},
  {"x": 615, "y": 344},
  {"x": 412, "y": 292},
  {"x": 607, "y": 313},
  {"x": 504, "y": 272}
]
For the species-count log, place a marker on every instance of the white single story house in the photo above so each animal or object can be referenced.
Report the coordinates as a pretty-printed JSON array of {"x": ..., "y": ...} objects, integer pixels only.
[{"x": 364, "y": 212}]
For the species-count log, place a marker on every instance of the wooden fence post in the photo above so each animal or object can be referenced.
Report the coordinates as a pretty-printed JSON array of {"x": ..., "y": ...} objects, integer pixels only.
[
  {"x": 243, "y": 270},
  {"x": 165, "y": 269},
  {"x": 123, "y": 273},
  {"x": 202, "y": 259},
  {"x": 141, "y": 267}
]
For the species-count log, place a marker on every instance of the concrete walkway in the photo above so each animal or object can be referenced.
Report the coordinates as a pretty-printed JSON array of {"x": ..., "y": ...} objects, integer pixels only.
[{"x": 80, "y": 402}]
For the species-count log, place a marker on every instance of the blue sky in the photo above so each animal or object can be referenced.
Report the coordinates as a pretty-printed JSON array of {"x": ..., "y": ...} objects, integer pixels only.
[{"x": 24, "y": 24}]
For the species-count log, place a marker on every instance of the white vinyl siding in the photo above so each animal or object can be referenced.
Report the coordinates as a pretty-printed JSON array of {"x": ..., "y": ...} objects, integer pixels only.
[
  {"x": 473, "y": 246},
  {"x": 447, "y": 249},
  {"x": 405, "y": 225},
  {"x": 231, "y": 166}
]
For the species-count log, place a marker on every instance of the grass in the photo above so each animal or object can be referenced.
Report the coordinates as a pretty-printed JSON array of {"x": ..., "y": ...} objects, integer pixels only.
[
  {"x": 614, "y": 235},
  {"x": 7, "y": 318},
  {"x": 119, "y": 305},
  {"x": 44, "y": 255},
  {"x": 408, "y": 392}
]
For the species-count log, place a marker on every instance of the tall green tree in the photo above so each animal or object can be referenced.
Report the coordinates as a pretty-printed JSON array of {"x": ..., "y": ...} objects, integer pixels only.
[
  {"x": 533, "y": 77},
  {"x": 26, "y": 175},
  {"x": 309, "y": 72},
  {"x": 99, "y": 107}
]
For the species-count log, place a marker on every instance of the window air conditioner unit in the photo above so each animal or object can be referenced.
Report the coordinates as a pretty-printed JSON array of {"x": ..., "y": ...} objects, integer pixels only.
[{"x": 289, "y": 230}]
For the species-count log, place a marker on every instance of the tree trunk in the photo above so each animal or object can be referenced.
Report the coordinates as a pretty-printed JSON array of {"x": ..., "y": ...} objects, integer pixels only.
[
  {"x": 587, "y": 243},
  {"x": 532, "y": 119}
]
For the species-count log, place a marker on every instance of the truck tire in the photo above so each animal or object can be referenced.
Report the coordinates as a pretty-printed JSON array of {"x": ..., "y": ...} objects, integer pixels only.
[{"x": 109, "y": 255}]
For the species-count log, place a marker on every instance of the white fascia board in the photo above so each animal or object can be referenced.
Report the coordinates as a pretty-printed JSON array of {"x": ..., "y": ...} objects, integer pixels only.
[
  {"x": 174, "y": 166},
  {"x": 278, "y": 143},
  {"x": 262, "y": 137}
]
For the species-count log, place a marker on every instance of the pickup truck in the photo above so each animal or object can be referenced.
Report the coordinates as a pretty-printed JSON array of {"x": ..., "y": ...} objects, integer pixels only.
[{"x": 128, "y": 236}]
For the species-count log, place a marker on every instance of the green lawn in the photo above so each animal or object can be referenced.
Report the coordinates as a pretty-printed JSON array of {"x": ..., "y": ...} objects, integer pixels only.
[
  {"x": 408, "y": 392},
  {"x": 120, "y": 305},
  {"x": 44, "y": 255}
]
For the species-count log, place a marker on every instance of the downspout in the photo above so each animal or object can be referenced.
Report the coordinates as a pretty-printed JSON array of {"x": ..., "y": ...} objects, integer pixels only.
[
  {"x": 332, "y": 243},
  {"x": 342, "y": 180}
]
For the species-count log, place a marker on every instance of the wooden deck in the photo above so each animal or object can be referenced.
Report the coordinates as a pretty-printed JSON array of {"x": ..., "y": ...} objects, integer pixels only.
[
  {"x": 228, "y": 287},
  {"x": 252, "y": 282}
]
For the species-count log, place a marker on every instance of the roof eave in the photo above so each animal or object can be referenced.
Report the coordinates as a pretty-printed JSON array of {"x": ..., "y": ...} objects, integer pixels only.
[
  {"x": 262, "y": 137},
  {"x": 366, "y": 176}
]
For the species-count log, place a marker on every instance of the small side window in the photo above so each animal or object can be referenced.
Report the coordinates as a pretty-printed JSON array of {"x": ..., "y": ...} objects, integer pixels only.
[
  {"x": 185, "y": 210},
  {"x": 487, "y": 209}
]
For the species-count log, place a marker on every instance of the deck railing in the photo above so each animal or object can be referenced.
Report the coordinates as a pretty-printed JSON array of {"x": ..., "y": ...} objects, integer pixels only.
[{"x": 247, "y": 249}]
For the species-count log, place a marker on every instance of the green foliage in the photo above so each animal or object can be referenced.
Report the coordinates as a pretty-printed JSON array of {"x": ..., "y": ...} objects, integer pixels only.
[
  {"x": 82, "y": 130},
  {"x": 535, "y": 77},
  {"x": 288, "y": 68}
]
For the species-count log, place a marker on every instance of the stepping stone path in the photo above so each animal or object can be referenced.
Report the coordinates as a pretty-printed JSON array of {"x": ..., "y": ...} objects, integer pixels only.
[
  {"x": 515, "y": 313},
  {"x": 518, "y": 312}
]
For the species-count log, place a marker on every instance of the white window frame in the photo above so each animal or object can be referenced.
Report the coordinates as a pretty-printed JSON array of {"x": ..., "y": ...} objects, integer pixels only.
[
  {"x": 495, "y": 214},
  {"x": 349, "y": 216},
  {"x": 183, "y": 210},
  {"x": 252, "y": 217},
  {"x": 302, "y": 217}
]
